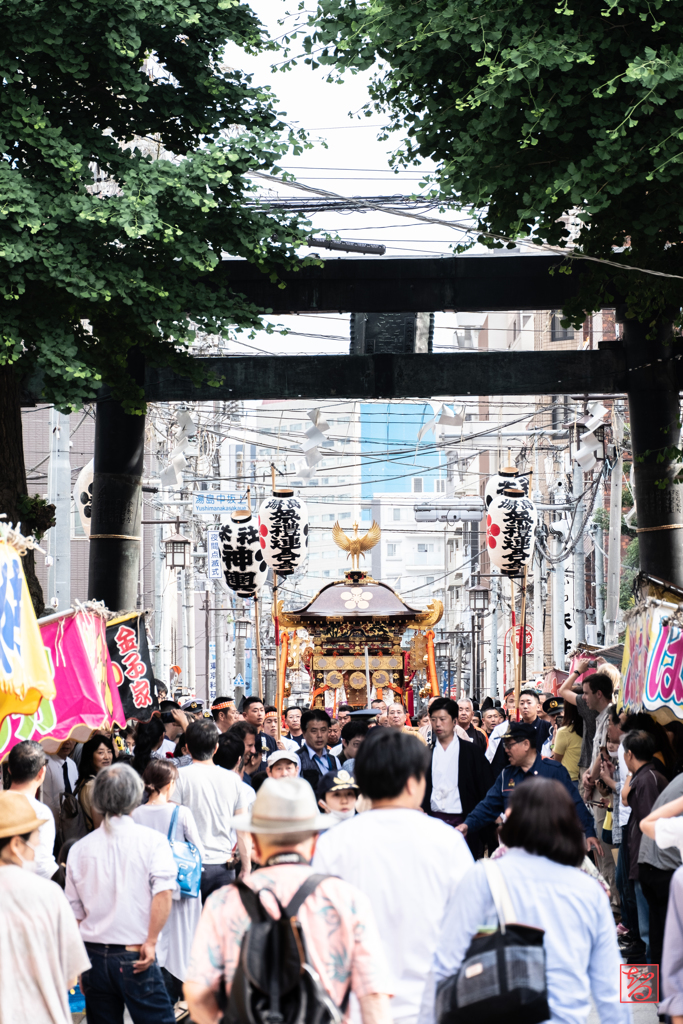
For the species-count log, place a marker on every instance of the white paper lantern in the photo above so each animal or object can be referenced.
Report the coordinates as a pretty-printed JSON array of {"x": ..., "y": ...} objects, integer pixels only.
[
  {"x": 83, "y": 495},
  {"x": 244, "y": 567},
  {"x": 504, "y": 478},
  {"x": 283, "y": 532},
  {"x": 510, "y": 525}
]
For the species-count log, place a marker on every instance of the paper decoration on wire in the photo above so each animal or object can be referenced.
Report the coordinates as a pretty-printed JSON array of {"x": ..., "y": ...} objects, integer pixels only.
[
  {"x": 505, "y": 477},
  {"x": 510, "y": 525},
  {"x": 172, "y": 475},
  {"x": 596, "y": 412},
  {"x": 86, "y": 696},
  {"x": 314, "y": 440},
  {"x": 283, "y": 532},
  {"x": 244, "y": 568},
  {"x": 26, "y": 676},
  {"x": 586, "y": 454},
  {"x": 214, "y": 566},
  {"x": 443, "y": 416},
  {"x": 83, "y": 495},
  {"x": 129, "y": 653}
]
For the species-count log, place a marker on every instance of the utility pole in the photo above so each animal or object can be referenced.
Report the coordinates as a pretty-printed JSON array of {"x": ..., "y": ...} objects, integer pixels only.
[
  {"x": 458, "y": 669},
  {"x": 59, "y": 494},
  {"x": 579, "y": 559},
  {"x": 191, "y": 678},
  {"x": 538, "y": 611},
  {"x": 557, "y": 576},
  {"x": 158, "y": 556},
  {"x": 614, "y": 551},
  {"x": 599, "y": 546}
]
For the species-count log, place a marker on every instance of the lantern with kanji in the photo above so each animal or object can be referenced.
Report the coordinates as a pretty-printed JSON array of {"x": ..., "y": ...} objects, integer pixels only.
[
  {"x": 244, "y": 568},
  {"x": 283, "y": 532},
  {"x": 506, "y": 477},
  {"x": 510, "y": 525}
]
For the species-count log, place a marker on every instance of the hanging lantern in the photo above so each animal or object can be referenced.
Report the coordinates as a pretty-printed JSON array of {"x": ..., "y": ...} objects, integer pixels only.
[
  {"x": 244, "y": 568},
  {"x": 510, "y": 525},
  {"x": 506, "y": 477},
  {"x": 83, "y": 495},
  {"x": 283, "y": 531}
]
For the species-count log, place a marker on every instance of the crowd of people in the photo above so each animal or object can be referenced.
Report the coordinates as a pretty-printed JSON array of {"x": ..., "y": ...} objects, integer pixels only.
[{"x": 150, "y": 866}]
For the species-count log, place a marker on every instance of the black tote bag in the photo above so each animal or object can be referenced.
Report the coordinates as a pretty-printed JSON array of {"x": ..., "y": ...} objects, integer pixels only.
[{"x": 502, "y": 978}]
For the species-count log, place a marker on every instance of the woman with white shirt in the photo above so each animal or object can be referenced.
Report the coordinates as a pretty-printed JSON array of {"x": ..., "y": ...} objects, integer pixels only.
[
  {"x": 175, "y": 941},
  {"x": 540, "y": 870}
]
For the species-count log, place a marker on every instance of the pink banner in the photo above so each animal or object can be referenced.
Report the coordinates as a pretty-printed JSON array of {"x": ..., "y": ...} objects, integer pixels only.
[
  {"x": 87, "y": 696},
  {"x": 664, "y": 683}
]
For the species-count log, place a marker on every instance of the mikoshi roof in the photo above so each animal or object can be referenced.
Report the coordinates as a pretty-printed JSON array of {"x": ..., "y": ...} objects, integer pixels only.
[{"x": 359, "y": 596}]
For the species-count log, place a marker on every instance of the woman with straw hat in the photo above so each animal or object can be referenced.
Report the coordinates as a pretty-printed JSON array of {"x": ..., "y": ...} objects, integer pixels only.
[{"x": 41, "y": 951}]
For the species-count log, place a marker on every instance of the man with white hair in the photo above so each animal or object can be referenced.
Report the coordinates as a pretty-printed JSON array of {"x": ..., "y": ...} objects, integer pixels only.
[
  {"x": 119, "y": 883},
  {"x": 341, "y": 938}
]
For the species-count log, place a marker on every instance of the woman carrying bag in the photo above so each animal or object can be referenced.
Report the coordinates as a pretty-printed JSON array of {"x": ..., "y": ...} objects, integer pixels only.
[
  {"x": 537, "y": 884},
  {"x": 175, "y": 941}
]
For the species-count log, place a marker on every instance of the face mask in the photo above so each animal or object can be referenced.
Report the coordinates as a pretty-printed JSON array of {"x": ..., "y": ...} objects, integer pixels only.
[
  {"x": 336, "y": 817},
  {"x": 28, "y": 865}
]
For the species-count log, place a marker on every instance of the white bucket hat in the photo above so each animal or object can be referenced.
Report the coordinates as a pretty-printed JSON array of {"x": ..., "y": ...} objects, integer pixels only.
[{"x": 281, "y": 806}]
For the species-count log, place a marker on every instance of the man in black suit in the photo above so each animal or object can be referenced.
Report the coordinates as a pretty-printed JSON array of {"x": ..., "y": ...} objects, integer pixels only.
[
  {"x": 459, "y": 776},
  {"x": 313, "y": 752}
]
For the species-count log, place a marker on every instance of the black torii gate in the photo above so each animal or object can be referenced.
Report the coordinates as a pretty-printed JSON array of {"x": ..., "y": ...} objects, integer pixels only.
[{"x": 648, "y": 371}]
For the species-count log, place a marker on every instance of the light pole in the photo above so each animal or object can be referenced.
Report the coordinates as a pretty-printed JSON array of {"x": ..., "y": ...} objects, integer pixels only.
[{"x": 479, "y": 601}]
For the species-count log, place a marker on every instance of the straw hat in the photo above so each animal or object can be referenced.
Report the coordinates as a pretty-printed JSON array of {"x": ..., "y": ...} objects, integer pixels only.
[
  {"x": 17, "y": 817},
  {"x": 281, "y": 806}
]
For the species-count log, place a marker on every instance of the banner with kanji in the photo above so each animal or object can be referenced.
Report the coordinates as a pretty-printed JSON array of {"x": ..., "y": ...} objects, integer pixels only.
[
  {"x": 26, "y": 676},
  {"x": 85, "y": 696},
  {"x": 129, "y": 653},
  {"x": 652, "y": 668}
]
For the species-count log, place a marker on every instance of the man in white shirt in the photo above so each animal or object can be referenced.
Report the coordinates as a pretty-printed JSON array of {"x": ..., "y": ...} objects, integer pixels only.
[
  {"x": 390, "y": 770},
  {"x": 459, "y": 775},
  {"x": 214, "y": 796},
  {"x": 60, "y": 767},
  {"x": 27, "y": 765},
  {"x": 119, "y": 883}
]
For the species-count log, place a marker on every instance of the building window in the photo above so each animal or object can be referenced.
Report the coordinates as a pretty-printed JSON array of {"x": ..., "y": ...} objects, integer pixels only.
[
  {"x": 440, "y": 485},
  {"x": 397, "y": 514},
  {"x": 418, "y": 487},
  {"x": 365, "y": 515},
  {"x": 557, "y": 331},
  {"x": 392, "y": 550},
  {"x": 423, "y": 549},
  {"x": 429, "y": 579}
]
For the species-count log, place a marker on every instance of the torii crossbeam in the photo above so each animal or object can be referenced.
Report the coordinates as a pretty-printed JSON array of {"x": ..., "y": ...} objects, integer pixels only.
[{"x": 647, "y": 370}]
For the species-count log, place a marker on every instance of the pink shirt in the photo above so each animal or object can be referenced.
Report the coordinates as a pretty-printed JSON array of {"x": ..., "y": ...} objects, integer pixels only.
[{"x": 342, "y": 940}]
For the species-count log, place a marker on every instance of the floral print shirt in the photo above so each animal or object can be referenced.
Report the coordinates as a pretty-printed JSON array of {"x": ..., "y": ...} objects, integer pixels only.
[{"x": 342, "y": 939}]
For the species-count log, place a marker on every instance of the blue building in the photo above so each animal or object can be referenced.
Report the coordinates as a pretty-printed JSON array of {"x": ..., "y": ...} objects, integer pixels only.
[{"x": 392, "y": 458}]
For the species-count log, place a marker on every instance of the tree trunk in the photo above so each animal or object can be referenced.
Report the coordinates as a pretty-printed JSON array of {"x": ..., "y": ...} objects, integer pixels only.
[
  {"x": 655, "y": 427},
  {"x": 13, "y": 471}
]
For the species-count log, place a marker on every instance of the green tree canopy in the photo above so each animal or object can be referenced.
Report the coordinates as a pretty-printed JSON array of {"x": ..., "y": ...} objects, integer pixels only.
[
  {"x": 103, "y": 247},
  {"x": 534, "y": 110}
]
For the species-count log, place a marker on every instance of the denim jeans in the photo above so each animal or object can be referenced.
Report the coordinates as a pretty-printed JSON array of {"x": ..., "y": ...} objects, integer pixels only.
[
  {"x": 643, "y": 918},
  {"x": 629, "y": 911},
  {"x": 110, "y": 984}
]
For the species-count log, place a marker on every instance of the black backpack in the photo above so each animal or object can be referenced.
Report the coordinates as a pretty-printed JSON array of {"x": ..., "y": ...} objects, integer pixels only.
[
  {"x": 72, "y": 821},
  {"x": 274, "y": 983}
]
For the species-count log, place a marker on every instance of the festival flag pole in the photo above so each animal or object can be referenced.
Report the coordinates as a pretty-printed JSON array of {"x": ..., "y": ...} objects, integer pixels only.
[
  {"x": 515, "y": 651},
  {"x": 276, "y": 621}
]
